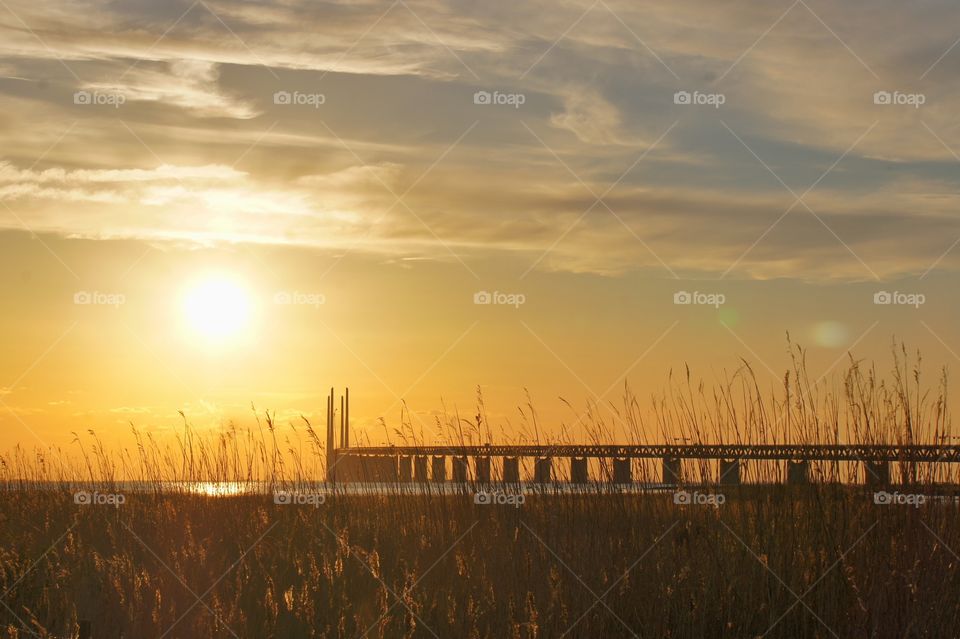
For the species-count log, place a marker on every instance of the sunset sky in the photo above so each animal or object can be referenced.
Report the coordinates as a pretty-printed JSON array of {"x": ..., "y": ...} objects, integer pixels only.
[{"x": 210, "y": 205}]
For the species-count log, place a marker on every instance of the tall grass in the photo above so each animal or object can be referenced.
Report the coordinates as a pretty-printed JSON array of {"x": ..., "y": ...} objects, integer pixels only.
[{"x": 774, "y": 560}]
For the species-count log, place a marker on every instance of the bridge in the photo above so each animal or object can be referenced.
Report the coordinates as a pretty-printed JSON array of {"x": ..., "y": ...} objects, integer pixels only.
[
  {"x": 347, "y": 463},
  {"x": 792, "y": 452}
]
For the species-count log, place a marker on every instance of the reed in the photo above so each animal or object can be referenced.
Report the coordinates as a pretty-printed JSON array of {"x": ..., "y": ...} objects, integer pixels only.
[{"x": 772, "y": 560}]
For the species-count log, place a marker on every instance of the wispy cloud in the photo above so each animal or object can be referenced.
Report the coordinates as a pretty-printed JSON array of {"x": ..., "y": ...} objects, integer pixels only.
[{"x": 201, "y": 148}]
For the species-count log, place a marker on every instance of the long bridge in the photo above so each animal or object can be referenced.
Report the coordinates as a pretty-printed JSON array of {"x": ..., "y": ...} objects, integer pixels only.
[
  {"x": 347, "y": 463},
  {"x": 792, "y": 452}
]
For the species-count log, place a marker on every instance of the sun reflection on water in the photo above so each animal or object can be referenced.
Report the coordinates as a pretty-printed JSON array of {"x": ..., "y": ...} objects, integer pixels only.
[{"x": 218, "y": 488}]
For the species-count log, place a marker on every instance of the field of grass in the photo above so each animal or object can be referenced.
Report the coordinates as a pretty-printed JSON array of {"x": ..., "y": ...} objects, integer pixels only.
[
  {"x": 774, "y": 561},
  {"x": 770, "y": 561}
]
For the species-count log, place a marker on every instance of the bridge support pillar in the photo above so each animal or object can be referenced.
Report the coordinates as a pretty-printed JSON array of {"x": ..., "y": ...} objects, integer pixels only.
[
  {"x": 511, "y": 470},
  {"x": 420, "y": 468},
  {"x": 729, "y": 472},
  {"x": 877, "y": 473},
  {"x": 405, "y": 466},
  {"x": 482, "y": 465},
  {"x": 438, "y": 468},
  {"x": 387, "y": 469},
  {"x": 622, "y": 472},
  {"x": 543, "y": 470},
  {"x": 798, "y": 472},
  {"x": 672, "y": 473},
  {"x": 578, "y": 470},
  {"x": 460, "y": 470}
]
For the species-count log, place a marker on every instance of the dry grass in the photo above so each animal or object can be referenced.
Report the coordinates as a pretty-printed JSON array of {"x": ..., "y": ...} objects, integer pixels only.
[{"x": 773, "y": 561}]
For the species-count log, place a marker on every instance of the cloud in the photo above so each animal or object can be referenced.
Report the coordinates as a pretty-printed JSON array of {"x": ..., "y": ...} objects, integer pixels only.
[
  {"x": 164, "y": 172},
  {"x": 591, "y": 118},
  {"x": 188, "y": 84},
  {"x": 200, "y": 152},
  {"x": 275, "y": 36}
]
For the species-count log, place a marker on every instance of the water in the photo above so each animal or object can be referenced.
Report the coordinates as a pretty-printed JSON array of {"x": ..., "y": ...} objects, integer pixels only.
[{"x": 234, "y": 489}]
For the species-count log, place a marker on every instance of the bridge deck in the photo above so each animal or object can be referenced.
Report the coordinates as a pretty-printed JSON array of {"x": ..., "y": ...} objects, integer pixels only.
[{"x": 797, "y": 452}]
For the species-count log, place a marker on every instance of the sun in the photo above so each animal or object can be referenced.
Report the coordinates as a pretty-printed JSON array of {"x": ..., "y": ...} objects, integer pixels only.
[{"x": 217, "y": 308}]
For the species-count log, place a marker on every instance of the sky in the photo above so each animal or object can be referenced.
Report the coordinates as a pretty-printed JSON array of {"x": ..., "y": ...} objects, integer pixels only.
[{"x": 218, "y": 207}]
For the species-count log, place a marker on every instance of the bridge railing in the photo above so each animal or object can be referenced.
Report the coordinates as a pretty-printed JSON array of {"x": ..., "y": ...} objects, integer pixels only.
[{"x": 793, "y": 452}]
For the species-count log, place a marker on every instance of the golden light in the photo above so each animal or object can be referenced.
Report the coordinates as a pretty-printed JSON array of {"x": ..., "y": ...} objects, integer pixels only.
[
  {"x": 217, "y": 308},
  {"x": 218, "y": 488}
]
